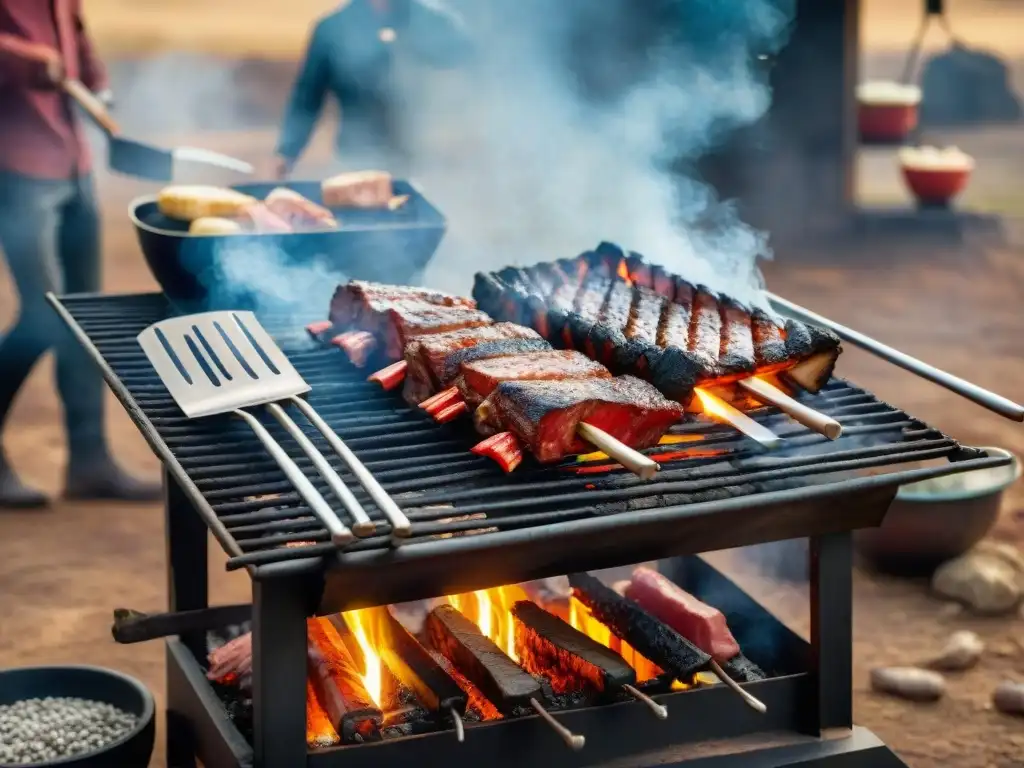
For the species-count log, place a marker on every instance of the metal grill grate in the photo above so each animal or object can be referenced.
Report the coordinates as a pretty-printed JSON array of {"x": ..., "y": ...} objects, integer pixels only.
[{"x": 445, "y": 490}]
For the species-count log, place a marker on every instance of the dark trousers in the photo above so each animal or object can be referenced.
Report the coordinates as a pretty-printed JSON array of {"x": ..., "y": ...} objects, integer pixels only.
[{"x": 50, "y": 236}]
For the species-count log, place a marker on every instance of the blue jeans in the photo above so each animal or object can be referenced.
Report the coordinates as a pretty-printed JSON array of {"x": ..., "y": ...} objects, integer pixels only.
[{"x": 50, "y": 236}]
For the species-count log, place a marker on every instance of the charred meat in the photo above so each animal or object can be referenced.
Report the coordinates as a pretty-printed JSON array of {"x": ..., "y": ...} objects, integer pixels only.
[
  {"x": 433, "y": 359},
  {"x": 480, "y": 378},
  {"x": 544, "y": 415},
  {"x": 640, "y": 320}
]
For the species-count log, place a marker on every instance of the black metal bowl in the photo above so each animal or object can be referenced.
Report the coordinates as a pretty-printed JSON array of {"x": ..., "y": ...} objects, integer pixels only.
[
  {"x": 201, "y": 272},
  {"x": 96, "y": 684}
]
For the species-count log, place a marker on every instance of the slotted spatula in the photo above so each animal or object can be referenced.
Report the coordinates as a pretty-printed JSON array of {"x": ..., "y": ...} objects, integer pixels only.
[{"x": 225, "y": 362}]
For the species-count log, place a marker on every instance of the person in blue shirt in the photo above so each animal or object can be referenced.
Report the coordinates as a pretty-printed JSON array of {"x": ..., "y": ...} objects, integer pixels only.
[{"x": 351, "y": 55}]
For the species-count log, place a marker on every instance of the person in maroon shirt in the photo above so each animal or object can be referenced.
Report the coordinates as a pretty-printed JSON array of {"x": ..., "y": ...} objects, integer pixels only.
[{"x": 49, "y": 234}]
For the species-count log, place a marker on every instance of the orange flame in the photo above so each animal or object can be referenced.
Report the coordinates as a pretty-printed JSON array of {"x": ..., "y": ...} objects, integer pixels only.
[
  {"x": 623, "y": 272},
  {"x": 581, "y": 619},
  {"x": 491, "y": 611},
  {"x": 712, "y": 405},
  {"x": 366, "y": 625}
]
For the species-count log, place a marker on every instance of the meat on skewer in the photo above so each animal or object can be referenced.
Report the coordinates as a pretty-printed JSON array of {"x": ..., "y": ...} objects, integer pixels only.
[
  {"x": 649, "y": 636},
  {"x": 572, "y": 661},
  {"x": 675, "y": 335},
  {"x": 434, "y": 352},
  {"x": 499, "y": 678},
  {"x": 433, "y": 361},
  {"x": 546, "y": 415},
  {"x": 480, "y": 378}
]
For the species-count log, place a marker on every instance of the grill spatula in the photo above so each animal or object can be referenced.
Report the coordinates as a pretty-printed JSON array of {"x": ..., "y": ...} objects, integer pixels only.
[
  {"x": 133, "y": 158},
  {"x": 225, "y": 362}
]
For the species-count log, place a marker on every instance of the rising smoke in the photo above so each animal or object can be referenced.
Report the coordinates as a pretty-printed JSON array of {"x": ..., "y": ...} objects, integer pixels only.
[
  {"x": 577, "y": 121},
  {"x": 577, "y": 118}
]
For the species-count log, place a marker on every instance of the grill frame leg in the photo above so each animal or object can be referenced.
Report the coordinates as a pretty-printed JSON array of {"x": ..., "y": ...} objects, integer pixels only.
[
  {"x": 279, "y": 672},
  {"x": 188, "y": 589},
  {"x": 831, "y": 608},
  {"x": 188, "y": 583}
]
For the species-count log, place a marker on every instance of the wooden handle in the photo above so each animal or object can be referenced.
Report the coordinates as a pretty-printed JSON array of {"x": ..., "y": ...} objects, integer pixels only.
[
  {"x": 95, "y": 108},
  {"x": 723, "y": 412},
  {"x": 643, "y": 466},
  {"x": 809, "y": 417}
]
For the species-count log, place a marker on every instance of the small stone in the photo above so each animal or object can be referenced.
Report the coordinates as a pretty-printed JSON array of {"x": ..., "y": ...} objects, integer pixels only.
[
  {"x": 1008, "y": 553},
  {"x": 986, "y": 583},
  {"x": 1008, "y": 698},
  {"x": 961, "y": 651},
  {"x": 911, "y": 683}
]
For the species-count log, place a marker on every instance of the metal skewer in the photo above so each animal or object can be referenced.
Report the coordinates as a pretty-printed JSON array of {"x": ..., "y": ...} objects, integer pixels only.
[
  {"x": 460, "y": 729},
  {"x": 573, "y": 740},
  {"x": 809, "y": 417},
  {"x": 643, "y": 466},
  {"x": 752, "y": 701},
  {"x": 660, "y": 712},
  {"x": 983, "y": 397}
]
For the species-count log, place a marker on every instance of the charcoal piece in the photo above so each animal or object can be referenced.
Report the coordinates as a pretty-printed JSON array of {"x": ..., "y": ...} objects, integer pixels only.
[
  {"x": 415, "y": 667},
  {"x": 743, "y": 670},
  {"x": 499, "y": 678},
  {"x": 339, "y": 686},
  {"x": 646, "y": 634},
  {"x": 571, "y": 661},
  {"x": 488, "y": 349},
  {"x": 355, "y": 650},
  {"x": 319, "y": 729}
]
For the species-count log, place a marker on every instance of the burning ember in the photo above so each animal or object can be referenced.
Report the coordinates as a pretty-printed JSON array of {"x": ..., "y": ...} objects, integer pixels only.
[{"x": 497, "y": 653}]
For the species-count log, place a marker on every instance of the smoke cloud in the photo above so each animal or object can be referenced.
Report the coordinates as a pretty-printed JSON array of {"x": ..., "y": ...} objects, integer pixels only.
[
  {"x": 581, "y": 122},
  {"x": 576, "y": 121}
]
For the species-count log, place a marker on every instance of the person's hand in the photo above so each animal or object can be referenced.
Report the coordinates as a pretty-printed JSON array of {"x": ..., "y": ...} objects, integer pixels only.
[{"x": 53, "y": 69}]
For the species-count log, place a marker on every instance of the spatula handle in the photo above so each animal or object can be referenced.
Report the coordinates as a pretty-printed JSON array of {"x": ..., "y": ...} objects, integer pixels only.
[
  {"x": 363, "y": 524},
  {"x": 400, "y": 525},
  {"x": 340, "y": 535},
  {"x": 92, "y": 105}
]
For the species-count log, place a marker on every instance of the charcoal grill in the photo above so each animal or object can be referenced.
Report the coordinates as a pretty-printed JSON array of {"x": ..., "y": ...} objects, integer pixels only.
[{"x": 474, "y": 527}]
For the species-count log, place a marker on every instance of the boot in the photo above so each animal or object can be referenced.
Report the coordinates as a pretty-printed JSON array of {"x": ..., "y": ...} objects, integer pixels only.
[
  {"x": 103, "y": 480},
  {"x": 16, "y": 495}
]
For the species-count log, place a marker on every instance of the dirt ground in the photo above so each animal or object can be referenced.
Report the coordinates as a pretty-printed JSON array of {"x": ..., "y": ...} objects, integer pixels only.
[{"x": 62, "y": 571}]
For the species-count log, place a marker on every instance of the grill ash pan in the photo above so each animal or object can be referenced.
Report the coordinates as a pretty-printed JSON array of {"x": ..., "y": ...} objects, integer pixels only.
[{"x": 384, "y": 245}]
